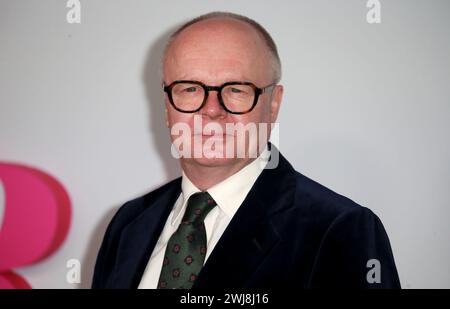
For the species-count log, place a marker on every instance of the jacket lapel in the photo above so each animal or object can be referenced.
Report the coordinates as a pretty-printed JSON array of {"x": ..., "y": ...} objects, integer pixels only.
[
  {"x": 251, "y": 235},
  {"x": 139, "y": 238}
]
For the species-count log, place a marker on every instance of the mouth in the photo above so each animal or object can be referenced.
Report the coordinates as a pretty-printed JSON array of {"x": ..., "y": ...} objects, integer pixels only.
[{"x": 213, "y": 135}]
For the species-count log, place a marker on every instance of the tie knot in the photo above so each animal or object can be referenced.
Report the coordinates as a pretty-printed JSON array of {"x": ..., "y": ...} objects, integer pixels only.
[{"x": 198, "y": 206}]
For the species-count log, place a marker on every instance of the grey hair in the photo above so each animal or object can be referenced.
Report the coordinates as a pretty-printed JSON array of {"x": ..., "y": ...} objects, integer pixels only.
[{"x": 267, "y": 38}]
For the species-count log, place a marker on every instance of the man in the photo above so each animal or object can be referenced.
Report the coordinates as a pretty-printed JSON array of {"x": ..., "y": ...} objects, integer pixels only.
[{"x": 231, "y": 221}]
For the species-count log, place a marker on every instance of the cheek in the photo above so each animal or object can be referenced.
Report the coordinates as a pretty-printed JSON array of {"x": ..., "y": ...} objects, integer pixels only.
[
  {"x": 173, "y": 116},
  {"x": 177, "y": 117},
  {"x": 266, "y": 111},
  {"x": 259, "y": 114}
]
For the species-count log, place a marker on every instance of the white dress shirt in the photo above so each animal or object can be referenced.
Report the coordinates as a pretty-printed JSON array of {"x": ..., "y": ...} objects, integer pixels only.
[{"x": 228, "y": 194}]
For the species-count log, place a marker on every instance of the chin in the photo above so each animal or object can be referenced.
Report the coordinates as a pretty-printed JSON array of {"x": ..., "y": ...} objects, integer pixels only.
[{"x": 214, "y": 161}]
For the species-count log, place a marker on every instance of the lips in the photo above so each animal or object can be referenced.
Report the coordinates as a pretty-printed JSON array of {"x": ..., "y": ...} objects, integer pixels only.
[
  {"x": 223, "y": 133},
  {"x": 213, "y": 135}
]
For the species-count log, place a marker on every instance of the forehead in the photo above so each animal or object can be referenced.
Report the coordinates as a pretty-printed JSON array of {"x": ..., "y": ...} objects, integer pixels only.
[{"x": 218, "y": 50}]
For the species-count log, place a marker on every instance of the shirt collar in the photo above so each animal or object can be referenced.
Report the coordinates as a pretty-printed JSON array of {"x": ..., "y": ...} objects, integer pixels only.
[{"x": 229, "y": 193}]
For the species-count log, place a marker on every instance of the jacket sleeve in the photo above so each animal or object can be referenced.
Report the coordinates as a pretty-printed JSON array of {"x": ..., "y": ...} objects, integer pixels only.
[
  {"x": 355, "y": 253},
  {"x": 107, "y": 253}
]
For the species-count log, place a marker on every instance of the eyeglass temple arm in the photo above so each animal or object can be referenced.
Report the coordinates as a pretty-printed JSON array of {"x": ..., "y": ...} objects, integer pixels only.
[{"x": 268, "y": 88}]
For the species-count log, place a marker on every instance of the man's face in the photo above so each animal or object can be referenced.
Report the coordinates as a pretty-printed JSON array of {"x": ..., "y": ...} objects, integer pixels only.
[{"x": 214, "y": 52}]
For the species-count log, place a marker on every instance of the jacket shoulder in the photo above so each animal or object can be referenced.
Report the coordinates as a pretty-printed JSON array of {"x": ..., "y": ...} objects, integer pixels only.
[
  {"x": 322, "y": 200},
  {"x": 346, "y": 237},
  {"x": 133, "y": 208},
  {"x": 126, "y": 214}
]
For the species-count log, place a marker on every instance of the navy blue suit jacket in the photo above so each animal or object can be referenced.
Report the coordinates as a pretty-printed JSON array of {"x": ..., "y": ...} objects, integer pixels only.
[{"x": 289, "y": 232}]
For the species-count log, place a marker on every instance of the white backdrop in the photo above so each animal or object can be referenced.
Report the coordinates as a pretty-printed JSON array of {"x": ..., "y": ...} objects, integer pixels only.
[{"x": 366, "y": 112}]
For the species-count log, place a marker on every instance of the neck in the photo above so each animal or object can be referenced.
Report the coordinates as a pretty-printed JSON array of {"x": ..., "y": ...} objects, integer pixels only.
[{"x": 216, "y": 174}]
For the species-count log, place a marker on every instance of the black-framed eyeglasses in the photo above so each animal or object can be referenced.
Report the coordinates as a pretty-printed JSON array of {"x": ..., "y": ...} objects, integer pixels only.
[{"x": 189, "y": 96}]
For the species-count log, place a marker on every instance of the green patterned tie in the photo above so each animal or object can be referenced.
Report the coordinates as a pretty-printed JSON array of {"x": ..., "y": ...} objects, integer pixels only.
[{"x": 186, "y": 249}]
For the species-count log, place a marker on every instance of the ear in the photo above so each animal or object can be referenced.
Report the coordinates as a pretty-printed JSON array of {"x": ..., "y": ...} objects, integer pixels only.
[{"x": 277, "y": 96}]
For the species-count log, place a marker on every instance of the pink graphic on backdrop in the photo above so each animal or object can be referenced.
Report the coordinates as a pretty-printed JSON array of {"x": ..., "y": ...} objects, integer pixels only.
[
  {"x": 10, "y": 280},
  {"x": 36, "y": 220}
]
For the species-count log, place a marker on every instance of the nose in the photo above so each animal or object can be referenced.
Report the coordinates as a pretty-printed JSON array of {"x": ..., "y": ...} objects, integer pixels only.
[{"x": 212, "y": 107}]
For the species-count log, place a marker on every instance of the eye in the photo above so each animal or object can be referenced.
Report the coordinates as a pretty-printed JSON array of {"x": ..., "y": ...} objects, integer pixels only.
[
  {"x": 236, "y": 90},
  {"x": 190, "y": 89}
]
